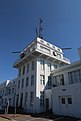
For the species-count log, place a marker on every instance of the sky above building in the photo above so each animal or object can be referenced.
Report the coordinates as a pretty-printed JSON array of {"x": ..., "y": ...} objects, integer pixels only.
[{"x": 19, "y": 18}]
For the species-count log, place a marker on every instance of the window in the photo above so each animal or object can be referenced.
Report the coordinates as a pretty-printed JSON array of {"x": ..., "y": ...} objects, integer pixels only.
[
  {"x": 23, "y": 70},
  {"x": 41, "y": 98},
  {"x": 46, "y": 50},
  {"x": 33, "y": 65},
  {"x": 42, "y": 65},
  {"x": 63, "y": 100},
  {"x": 48, "y": 44},
  {"x": 49, "y": 67},
  {"x": 27, "y": 81},
  {"x": 32, "y": 99},
  {"x": 32, "y": 79},
  {"x": 58, "y": 80},
  {"x": 42, "y": 79},
  {"x": 26, "y": 99},
  {"x": 17, "y": 99},
  {"x": 12, "y": 90},
  {"x": 69, "y": 100},
  {"x": 28, "y": 67},
  {"x": 74, "y": 76},
  {"x": 18, "y": 84},
  {"x": 9, "y": 91},
  {"x": 61, "y": 79},
  {"x": 55, "y": 66},
  {"x": 20, "y": 72},
  {"x": 10, "y": 101},
  {"x": 22, "y": 83},
  {"x": 49, "y": 81},
  {"x": 21, "y": 100}
]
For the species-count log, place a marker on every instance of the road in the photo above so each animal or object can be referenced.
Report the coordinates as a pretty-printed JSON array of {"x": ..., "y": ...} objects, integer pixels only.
[{"x": 3, "y": 119}]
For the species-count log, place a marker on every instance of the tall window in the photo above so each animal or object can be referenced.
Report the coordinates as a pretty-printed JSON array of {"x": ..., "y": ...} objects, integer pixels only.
[
  {"x": 32, "y": 79},
  {"x": 49, "y": 81},
  {"x": 23, "y": 70},
  {"x": 42, "y": 65},
  {"x": 28, "y": 66},
  {"x": 55, "y": 66},
  {"x": 74, "y": 76},
  {"x": 26, "y": 99},
  {"x": 41, "y": 98},
  {"x": 17, "y": 100},
  {"x": 18, "y": 84},
  {"x": 32, "y": 99},
  {"x": 49, "y": 67},
  {"x": 42, "y": 79},
  {"x": 33, "y": 65},
  {"x": 58, "y": 80},
  {"x": 19, "y": 72},
  {"x": 27, "y": 81},
  {"x": 22, "y": 83},
  {"x": 21, "y": 100}
]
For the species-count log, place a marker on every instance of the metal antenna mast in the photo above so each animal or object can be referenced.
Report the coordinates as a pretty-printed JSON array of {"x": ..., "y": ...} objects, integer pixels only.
[
  {"x": 40, "y": 28},
  {"x": 39, "y": 33}
]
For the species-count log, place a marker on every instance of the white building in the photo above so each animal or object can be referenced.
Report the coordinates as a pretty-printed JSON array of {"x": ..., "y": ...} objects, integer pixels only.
[
  {"x": 34, "y": 65},
  {"x": 66, "y": 89},
  {"x": 7, "y": 92}
]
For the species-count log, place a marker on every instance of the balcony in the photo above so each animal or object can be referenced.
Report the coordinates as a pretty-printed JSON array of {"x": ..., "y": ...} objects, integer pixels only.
[{"x": 40, "y": 50}]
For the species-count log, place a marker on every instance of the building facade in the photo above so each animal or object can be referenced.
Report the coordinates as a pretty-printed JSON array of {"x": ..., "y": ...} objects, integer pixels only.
[
  {"x": 66, "y": 90},
  {"x": 34, "y": 65},
  {"x": 7, "y": 93}
]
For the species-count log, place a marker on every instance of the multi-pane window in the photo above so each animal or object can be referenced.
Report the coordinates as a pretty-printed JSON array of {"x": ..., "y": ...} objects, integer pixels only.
[
  {"x": 58, "y": 80},
  {"x": 12, "y": 90},
  {"x": 32, "y": 79},
  {"x": 33, "y": 65},
  {"x": 26, "y": 99},
  {"x": 42, "y": 65},
  {"x": 10, "y": 101},
  {"x": 23, "y": 70},
  {"x": 27, "y": 81},
  {"x": 44, "y": 49},
  {"x": 18, "y": 84},
  {"x": 66, "y": 100},
  {"x": 19, "y": 72},
  {"x": 31, "y": 98},
  {"x": 28, "y": 66},
  {"x": 49, "y": 81},
  {"x": 42, "y": 79},
  {"x": 49, "y": 67},
  {"x": 42, "y": 98},
  {"x": 74, "y": 76},
  {"x": 22, "y": 83}
]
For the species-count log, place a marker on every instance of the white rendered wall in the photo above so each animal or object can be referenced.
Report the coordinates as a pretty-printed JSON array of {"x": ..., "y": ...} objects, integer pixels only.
[{"x": 73, "y": 109}]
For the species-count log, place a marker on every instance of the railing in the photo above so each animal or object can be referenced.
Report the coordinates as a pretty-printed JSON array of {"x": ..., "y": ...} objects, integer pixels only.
[
  {"x": 47, "y": 52},
  {"x": 66, "y": 59}
]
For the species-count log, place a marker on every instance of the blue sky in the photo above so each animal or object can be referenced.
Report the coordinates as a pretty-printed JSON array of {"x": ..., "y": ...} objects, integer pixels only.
[{"x": 19, "y": 18}]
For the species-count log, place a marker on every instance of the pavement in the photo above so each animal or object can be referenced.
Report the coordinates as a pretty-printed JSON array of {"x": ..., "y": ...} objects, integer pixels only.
[{"x": 41, "y": 117}]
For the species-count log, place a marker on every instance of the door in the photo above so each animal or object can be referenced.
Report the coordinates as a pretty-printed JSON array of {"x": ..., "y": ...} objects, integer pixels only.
[{"x": 47, "y": 104}]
